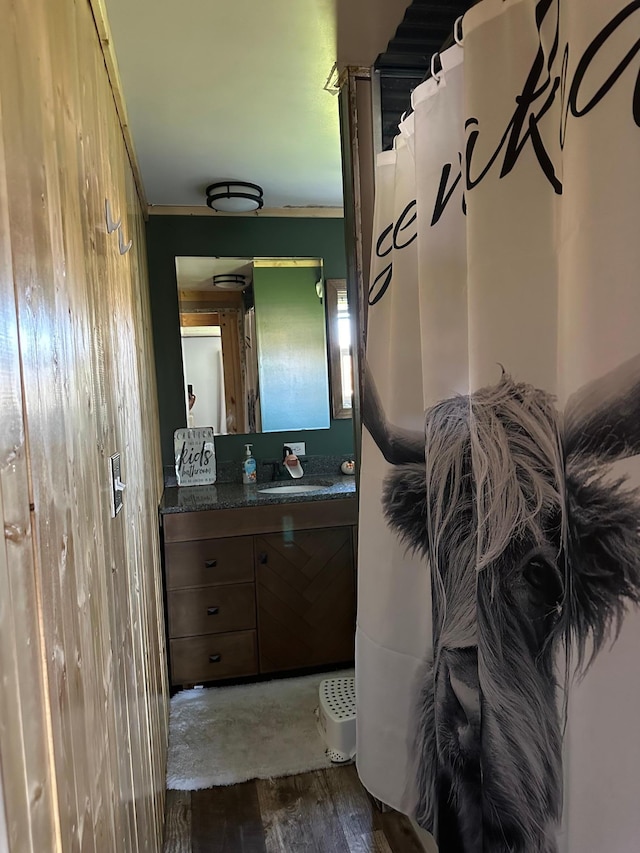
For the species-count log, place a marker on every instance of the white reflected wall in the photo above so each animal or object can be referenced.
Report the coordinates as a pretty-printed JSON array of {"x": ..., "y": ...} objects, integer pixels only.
[{"x": 202, "y": 356}]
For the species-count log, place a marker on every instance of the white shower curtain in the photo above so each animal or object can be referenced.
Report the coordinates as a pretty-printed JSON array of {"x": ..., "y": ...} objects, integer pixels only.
[
  {"x": 394, "y": 627},
  {"x": 506, "y": 229}
]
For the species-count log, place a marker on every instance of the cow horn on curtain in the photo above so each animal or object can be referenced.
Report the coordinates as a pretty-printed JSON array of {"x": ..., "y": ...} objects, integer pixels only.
[{"x": 499, "y": 558}]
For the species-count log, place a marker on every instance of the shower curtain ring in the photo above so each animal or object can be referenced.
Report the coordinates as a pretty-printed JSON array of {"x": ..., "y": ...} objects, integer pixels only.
[
  {"x": 458, "y": 34},
  {"x": 436, "y": 75}
]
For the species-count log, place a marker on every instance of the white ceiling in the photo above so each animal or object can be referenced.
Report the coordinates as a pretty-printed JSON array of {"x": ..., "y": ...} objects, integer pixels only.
[
  {"x": 197, "y": 273},
  {"x": 219, "y": 89}
]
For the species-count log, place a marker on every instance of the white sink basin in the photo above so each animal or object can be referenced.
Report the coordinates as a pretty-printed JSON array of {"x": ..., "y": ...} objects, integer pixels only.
[{"x": 290, "y": 490}]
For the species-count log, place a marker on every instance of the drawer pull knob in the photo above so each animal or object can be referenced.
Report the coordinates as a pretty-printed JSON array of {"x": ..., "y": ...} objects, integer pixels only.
[
  {"x": 263, "y": 559},
  {"x": 215, "y": 658},
  {"x": 212, "y": 611},
  {"x": 210, "y": 564}
]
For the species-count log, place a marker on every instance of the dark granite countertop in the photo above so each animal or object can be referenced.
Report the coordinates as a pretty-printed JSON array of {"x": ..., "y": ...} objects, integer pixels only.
[{"x": 235, "y": 495}]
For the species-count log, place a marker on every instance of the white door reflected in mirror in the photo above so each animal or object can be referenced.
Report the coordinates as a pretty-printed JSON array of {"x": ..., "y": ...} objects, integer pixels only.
[{"x": 204, "y": 377}]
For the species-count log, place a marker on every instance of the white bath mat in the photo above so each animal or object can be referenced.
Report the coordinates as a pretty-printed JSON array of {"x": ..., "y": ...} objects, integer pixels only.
[{"x": 224, "y": 735}]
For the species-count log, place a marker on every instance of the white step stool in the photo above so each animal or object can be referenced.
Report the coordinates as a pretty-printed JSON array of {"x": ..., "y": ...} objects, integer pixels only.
[{"x": 336, "y": 717}]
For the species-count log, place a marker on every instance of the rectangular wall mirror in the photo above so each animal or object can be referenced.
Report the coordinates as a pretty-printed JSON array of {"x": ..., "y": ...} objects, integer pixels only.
[{"x": 264, "y": 344}]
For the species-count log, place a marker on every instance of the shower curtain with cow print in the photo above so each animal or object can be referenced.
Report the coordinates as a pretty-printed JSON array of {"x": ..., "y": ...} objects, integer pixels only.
[{"x": 498, "y": 673}]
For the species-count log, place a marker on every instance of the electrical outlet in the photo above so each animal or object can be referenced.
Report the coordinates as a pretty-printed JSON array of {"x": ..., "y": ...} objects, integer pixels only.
[{"x": 297, "y": 447}]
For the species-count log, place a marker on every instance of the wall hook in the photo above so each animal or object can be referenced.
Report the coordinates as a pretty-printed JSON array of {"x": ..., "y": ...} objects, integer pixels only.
[
  {"x": 111, "y": 225},
  {"x": 121, "y": 245}
]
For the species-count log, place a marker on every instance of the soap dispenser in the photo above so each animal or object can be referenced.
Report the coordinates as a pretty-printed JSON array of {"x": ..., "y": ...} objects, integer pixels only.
[{"x": 248, "y": 466}]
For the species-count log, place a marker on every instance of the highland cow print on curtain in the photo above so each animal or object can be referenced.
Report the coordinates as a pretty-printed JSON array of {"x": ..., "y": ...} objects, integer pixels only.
[{"x": 518, "y": 490}]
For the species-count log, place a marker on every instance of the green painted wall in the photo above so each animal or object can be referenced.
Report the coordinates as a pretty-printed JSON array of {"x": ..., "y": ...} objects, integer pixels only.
[
  {"x": 292, "y": 348},
  {"x": 169, "y": 237}
]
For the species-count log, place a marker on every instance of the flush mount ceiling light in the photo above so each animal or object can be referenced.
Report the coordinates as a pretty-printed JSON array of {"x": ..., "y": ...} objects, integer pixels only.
[
  {"x": 234, "y": 196},
  {"x": 230, "y": 281}
]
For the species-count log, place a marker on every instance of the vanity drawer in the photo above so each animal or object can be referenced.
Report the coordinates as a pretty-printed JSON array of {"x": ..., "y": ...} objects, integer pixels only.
[
  {"x": 212, "y": 610},
  {"x": 206, "y": 562},
  {"x": 212, "y": 657}
]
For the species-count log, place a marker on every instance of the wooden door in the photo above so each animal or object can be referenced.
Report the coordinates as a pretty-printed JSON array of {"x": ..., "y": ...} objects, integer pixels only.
[
  {"x": 306, "y": 598},
  {"x": 83, "y": 712}
]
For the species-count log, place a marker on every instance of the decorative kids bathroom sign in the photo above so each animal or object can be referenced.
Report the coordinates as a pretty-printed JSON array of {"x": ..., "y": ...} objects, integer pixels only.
[{"x": 195, "y": 456}]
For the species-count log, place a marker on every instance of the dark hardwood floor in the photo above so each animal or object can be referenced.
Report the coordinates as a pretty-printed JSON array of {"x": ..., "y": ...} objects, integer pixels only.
[{"x": 326, "y": 811}]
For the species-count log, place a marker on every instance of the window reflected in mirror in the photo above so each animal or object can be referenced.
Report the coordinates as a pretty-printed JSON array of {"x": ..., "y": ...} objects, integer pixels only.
[{"x": 339, "y": 326}]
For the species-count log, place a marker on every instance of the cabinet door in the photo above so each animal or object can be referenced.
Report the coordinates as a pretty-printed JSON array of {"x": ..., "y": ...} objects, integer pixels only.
[{"x": 306, "y": 598}]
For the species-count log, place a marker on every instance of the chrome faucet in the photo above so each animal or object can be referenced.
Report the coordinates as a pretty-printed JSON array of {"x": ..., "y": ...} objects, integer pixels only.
[{"x": 291, "y": 463}]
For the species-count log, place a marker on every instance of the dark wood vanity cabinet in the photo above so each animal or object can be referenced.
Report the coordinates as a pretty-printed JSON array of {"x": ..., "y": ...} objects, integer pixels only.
[
  {"x": 305, "y": 586},
  {"x": 277, "y": 596}
]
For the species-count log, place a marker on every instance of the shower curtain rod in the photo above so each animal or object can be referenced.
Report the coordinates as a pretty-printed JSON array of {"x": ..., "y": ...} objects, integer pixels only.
[{"x": 448, "y": 42}]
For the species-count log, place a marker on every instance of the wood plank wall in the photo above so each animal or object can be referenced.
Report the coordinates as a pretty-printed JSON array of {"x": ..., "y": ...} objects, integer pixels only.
[{"x": 83, "y": 705}]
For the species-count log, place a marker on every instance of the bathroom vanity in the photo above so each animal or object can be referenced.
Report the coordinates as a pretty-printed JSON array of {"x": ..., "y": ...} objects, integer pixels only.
[{"x": 258, "y": 580}]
